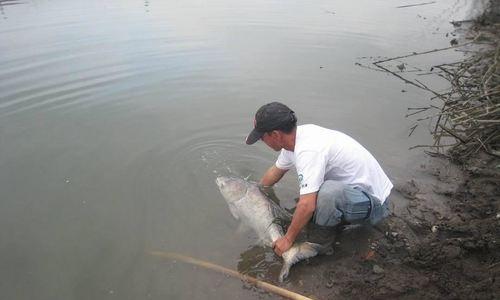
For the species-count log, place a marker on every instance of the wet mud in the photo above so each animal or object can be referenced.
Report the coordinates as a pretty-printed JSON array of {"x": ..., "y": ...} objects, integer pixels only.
[{"x": 441, "y": 242}]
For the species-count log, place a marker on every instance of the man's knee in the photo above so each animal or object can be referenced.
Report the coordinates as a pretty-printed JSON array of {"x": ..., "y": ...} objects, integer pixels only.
[{"x": 337, "y": 201}]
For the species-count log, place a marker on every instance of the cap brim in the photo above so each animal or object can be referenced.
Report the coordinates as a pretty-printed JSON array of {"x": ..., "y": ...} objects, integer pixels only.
[{"x": 253, "y": 137}]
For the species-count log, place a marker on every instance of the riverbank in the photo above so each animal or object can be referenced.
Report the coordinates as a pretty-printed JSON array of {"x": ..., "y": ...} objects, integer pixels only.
[{"x": 442, "y": 240}]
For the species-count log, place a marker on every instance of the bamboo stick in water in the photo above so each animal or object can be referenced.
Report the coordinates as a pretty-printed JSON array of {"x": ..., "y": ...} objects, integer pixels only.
[{"x": 256, "y": 282}]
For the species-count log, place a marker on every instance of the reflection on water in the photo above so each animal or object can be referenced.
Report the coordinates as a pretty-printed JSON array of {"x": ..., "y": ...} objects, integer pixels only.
[
  {"x": 9, "y": 2},
  {"x": 5, "y": 3},
  {"x": 116, "y": 117}
]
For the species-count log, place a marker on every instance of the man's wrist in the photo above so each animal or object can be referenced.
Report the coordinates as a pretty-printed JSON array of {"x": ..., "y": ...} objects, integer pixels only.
[{"x": 289, "y": 239}]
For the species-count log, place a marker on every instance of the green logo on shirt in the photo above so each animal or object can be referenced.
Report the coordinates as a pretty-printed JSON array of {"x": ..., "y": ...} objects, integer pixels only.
[{"x": 302, "y": 185}]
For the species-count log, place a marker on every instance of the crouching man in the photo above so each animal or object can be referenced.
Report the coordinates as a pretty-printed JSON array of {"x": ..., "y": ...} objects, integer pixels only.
[{"x": 339, "y": 180}]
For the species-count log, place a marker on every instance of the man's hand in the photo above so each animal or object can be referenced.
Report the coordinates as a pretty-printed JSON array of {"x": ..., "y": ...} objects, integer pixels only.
[{"x": 281, "y": 245}]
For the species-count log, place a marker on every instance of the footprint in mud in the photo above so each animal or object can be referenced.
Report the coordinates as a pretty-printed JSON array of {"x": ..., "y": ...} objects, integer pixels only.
[{"x": 408, "y": 189}]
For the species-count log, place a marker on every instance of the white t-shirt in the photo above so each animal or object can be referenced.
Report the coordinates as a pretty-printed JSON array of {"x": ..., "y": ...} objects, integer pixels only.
[{"x": 322, "y": 154}]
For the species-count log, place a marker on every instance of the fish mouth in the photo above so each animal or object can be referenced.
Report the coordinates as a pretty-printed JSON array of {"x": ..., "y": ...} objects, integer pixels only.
[
  {"x": 223, "y": 180},
  {"x": 231, "y": 186},
  {"x": 220, "y": 181}
]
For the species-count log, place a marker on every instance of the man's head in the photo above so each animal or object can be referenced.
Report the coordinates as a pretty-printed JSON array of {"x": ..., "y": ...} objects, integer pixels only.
[{"x": 272, "y": 120}]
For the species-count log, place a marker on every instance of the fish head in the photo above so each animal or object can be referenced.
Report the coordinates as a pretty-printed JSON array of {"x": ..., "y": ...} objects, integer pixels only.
[{"x": 232, "y": 188}]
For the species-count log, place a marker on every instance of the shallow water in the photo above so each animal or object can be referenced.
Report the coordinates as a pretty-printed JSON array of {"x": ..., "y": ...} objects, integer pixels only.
[{"x": 116, "y": 117}]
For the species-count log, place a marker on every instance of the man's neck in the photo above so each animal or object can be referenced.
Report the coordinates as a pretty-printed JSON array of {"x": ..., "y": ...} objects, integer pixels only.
[{"x": 290, "y": 140}]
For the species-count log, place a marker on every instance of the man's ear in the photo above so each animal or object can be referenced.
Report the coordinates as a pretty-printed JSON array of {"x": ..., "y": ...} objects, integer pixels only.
[{"x": 278, "y": 134}]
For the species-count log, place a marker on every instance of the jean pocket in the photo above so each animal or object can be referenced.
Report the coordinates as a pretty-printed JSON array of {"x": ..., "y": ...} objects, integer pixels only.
[{"x": 356, "y": 205}]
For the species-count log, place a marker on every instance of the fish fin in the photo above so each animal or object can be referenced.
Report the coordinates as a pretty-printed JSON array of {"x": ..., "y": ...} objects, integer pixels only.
[
  {"x": 280, "y": 222},
  {"x": 280, "y": 212},
  {"x": 234, "y": 211},
  {"x": 324, "y": 249},
  {"x": 285, "y": 270}
]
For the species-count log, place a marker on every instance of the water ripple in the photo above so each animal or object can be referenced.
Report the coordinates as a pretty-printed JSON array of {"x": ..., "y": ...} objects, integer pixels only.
[{"x": 10, "y": 2}]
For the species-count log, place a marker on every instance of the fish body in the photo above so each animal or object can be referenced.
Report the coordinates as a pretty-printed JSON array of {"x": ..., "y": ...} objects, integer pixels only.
[{"x": 255, "y": 210}]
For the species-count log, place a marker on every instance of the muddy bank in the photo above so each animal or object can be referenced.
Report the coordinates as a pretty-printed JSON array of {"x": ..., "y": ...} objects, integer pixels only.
[{"x": 441, "y": 242}]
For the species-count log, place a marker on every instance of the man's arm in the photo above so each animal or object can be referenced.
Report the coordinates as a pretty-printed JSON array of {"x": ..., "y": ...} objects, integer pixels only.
[
  {"x": 272, "y": 175},
  {"x": 303, "y": 213}
]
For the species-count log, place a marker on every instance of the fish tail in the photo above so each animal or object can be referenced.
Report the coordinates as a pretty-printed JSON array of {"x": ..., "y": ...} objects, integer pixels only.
[
  {"x": 285, "y": 270},
  {"x": 297, "y": 253}
]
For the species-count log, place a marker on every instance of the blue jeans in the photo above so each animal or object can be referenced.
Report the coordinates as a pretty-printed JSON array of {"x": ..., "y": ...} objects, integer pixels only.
[{"x": 338, "y": 202}]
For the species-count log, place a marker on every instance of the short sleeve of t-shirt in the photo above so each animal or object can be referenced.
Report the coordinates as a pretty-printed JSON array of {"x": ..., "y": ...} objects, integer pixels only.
[
  {"x": 311, "y": 167},
  {"x": 285, "y": 160}
]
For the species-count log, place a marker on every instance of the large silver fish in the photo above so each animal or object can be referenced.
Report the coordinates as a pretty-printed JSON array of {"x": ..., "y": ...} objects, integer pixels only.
[{"x": 249, "y": 205}]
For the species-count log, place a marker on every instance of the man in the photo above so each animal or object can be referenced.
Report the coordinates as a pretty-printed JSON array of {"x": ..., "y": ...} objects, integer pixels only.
[{"x": 339, "y": 180}]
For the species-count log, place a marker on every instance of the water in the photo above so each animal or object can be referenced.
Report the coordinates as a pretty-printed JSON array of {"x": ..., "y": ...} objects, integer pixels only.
[{"x": 116, "y": 117}]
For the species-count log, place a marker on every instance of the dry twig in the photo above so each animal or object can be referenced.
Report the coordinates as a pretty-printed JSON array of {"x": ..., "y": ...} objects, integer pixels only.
[{"x": 470, "y": 110}]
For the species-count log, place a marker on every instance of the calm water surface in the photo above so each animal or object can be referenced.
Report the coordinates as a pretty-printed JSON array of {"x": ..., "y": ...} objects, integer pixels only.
[{"x": 116, "y": 117}]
